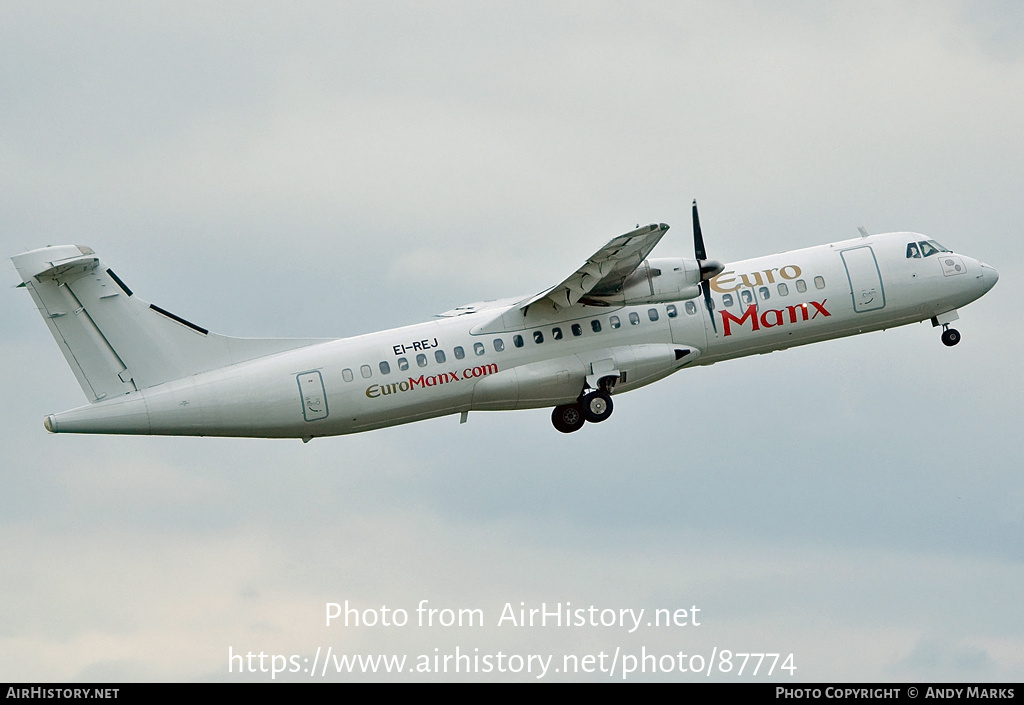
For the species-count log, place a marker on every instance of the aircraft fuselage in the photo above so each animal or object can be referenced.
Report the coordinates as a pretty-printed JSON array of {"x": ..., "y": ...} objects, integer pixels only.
[{"x": 497, "y": 357}]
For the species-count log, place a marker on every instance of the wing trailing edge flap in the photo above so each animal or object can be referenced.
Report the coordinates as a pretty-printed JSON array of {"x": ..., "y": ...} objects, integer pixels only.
[{"x": 602, "y": 274}]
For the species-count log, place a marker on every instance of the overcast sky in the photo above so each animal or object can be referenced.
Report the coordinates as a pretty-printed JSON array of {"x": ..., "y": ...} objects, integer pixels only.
[{"x": 329, "y": 169}]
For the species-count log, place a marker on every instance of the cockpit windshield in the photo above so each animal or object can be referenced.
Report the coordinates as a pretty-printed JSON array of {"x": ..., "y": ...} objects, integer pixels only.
[
  {"x": 925, "y": 248},
  {"x": 930, "y": 247}
]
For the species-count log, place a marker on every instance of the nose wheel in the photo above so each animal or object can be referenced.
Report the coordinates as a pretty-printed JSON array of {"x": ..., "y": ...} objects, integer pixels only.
[{"x": 950, "y": 336}]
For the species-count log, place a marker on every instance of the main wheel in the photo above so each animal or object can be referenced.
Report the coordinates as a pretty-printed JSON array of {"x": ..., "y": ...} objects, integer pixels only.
[
  {"x": 567, "y": 418},
  {"x": 950, "y": 337},
  {"x": 597, "y": 406}
]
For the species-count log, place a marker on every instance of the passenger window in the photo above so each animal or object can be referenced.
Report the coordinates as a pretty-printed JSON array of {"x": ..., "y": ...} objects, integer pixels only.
[
  {"x": 459, "y": 352},
  {"x": 403, "y": 364},
  {"x": 614, "y": 322},
  {"x": 652, "y": 313},
  {"x": 691, "y": 308},
  {"x": 478, "y": 348},
  {"x": 783, "y": 290},
  {"x": 801, "y": 285},
  {"x": 517, "y": 340},
  {"x": 912, "y": 251},
  {"x": 727, "y": 299},
  {"x": 595, "y": 325},
  {"x": 577, "y": 330},
  {"x": 764, "y": 292},
  {"x": 634, "y": 318},
  {"x": 556, "y": 333},
  {"x": 421, "y": 360},
  {"x": 819, "y": 282},
  {"x": 538, "y": 337},
  {"x": 747, "y": 297},
  {"x": 365, "y": 371},
  {"x": 439, "y": 356},
  {"x": 499, "y": 344},
  {"x": 346, "y": 374},
  {"x": 385, "y": 368},
  {"x": 671, "y": 311}
]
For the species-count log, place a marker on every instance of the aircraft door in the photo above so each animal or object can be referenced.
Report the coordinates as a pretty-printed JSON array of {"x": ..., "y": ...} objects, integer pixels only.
[
  {"x": 313, "y": 395},
  {"x": 686, "y": 323},
  {"x": 865, "y": 279},
  {"x": 736, "y": 302}
]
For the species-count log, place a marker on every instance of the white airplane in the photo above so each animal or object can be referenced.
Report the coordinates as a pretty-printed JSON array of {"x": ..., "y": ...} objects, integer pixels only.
[{"x": 619, "y": 322}]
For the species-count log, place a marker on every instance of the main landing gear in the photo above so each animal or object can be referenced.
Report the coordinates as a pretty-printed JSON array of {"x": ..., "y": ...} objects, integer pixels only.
[
  {"x": 568, "y": 418},
  {"x": 593, "y": 405},
  {"x": 950, "y": 336},
  {"x": 597, "y": 406}
]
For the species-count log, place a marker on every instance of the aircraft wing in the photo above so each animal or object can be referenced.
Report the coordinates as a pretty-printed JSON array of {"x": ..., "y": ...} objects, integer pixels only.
[{"x": 604, "y": 271}]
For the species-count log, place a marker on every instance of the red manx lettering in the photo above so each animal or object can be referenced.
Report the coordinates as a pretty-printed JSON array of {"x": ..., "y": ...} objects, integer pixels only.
[
  {"x": 728, "y": 318},
  {"x": 773, "y": 317}
]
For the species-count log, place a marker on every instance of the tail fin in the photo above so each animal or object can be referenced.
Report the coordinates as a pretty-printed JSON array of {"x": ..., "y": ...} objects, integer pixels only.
[{"x": 116, "y": 343}]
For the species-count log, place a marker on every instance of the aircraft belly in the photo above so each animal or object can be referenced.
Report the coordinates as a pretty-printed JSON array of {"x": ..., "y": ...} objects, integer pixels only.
[
  {"x": 533, "y": 385},
  {"x": 560, "y": 381},
  {"x": 655, "y": 361}
]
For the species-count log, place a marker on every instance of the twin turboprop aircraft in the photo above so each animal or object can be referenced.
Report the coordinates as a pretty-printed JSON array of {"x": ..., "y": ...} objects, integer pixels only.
[{"x": 619, "y": 322}]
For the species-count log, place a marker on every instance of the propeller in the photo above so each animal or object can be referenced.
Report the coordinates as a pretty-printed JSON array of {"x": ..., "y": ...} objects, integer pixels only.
[{"x": 708, "y": 267}]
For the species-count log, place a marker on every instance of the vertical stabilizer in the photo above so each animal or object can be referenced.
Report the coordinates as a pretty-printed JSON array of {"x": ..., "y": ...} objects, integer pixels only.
[{"x": 115, "y": 342}]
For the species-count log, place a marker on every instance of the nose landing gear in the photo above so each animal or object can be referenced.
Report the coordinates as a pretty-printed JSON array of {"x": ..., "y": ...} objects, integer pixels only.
[{"x": 950, "y": 337}]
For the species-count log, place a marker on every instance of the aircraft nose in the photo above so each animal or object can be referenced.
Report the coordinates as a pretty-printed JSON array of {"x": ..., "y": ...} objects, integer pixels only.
[{"x": 989, "y": 276}]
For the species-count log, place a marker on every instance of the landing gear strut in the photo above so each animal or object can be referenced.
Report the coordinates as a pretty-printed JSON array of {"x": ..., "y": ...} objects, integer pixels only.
[{"x": 950, "y": 336}]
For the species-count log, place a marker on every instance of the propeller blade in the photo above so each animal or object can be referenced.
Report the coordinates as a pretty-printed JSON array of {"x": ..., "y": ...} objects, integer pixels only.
[
  {"x": 706, "y": 288},
  {"x": 698, "y": 238},
  {"x": 708, "y": 268}
]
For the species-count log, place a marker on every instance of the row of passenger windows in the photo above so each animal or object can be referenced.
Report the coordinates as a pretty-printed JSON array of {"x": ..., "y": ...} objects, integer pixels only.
[
  {"x": 746, "y": 296},
  {"x": 518, "y": 341}
]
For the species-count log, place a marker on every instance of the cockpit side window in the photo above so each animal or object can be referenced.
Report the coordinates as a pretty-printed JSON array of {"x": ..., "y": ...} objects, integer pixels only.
[
  {"x": 912, "y": 251},
  {"x": 927, "y": 249}
]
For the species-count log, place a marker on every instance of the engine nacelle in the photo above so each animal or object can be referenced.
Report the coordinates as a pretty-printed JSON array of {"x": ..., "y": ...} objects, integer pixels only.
[{"x": 654, "y": 281}]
